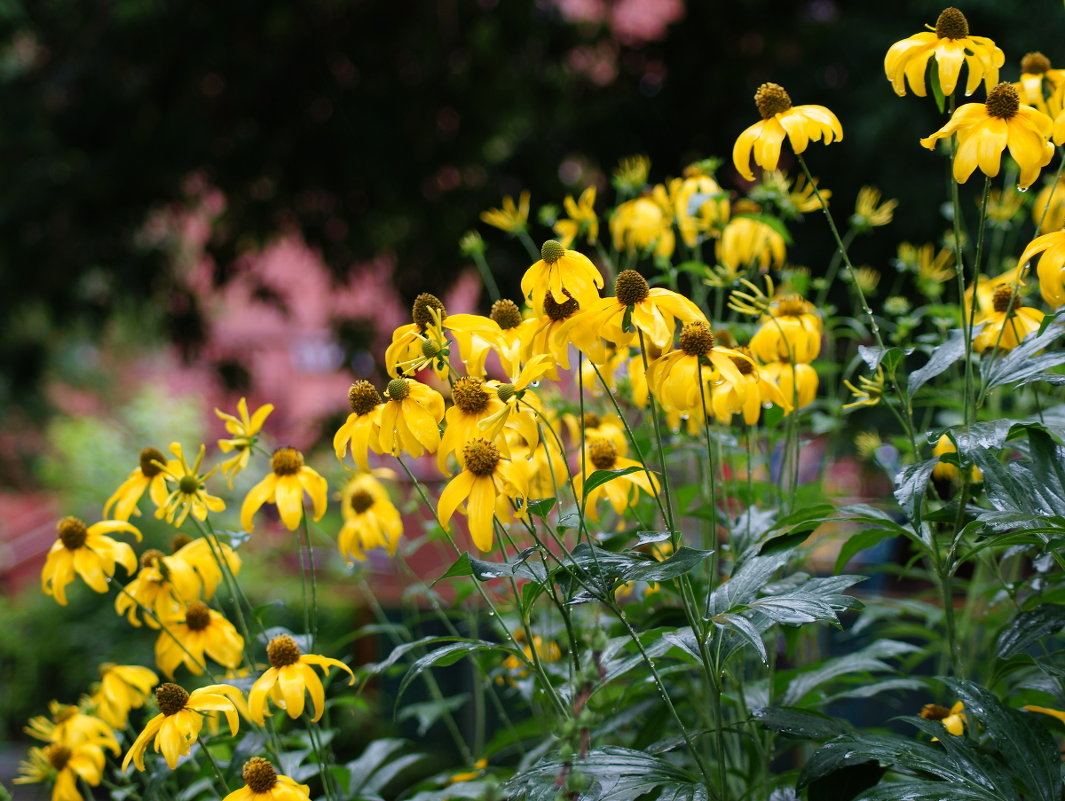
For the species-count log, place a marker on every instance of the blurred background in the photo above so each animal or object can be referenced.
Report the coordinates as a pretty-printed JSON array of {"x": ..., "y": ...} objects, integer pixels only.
[{"x": 203, "y": 201}]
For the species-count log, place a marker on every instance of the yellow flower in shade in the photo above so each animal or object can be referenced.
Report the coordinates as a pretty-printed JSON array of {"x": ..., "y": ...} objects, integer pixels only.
[
  {"x": 748, "y": 398},
  {"x": 644, "y": 223},
  {"x": 985, "y": 290},
  {"x": 700, "y": 205},
  {"x": 953, "y": 719},
  {"x": 623, "y": 491},
  {"x": 946, "y": 470},
  {"x": 370, "y": 519},
  {"x": 122, "y": 688},
  {"x": 869, "y": 212},
  {"x": 181, "y": 716},
  {"x": 792, "y": 198},
  {"x": 907, "y": 61},
  {"x": 790, "y": 332},
  {"x": 545, "y": 650},
  {"x": 284, "y": 486},
  {"x": 560, "y": 270},
  {"x": 986, "y": 129},
  {"x": 67, "y": 724},
  {"x": 596, "y": 426},
  {"x": 148, "y": 475},
  {"x": 869, "y": 390},
  {"x": 199, "y": 631},
  {"x": 631, "y": 174},
  {"x": 410, "y": 418},
  {"x": 262, "y": 783},
  {"x": 635, "y": 307},
  {"x": 87, "y": 551},
  {"x": 290, "y": 675},
  {"x": 542, "y": 337},
  {"x": 244, "y": 431},
  {"x": 581, "y": 220},
  {"x": 1050, "y": 250},
  {"x": 544, "y": 466},
  {"x": 780, "y": 118},
  {"x": 1007, "y": 323},
  {"x": 485, "y": 479},
  {"x": 163, "y": 586},
  {"x": 513, "y": 217},
  {"x": 360, "y": 431},
  {"x": 189, "y": 494},
  {"x": 797, "y": 382},
  {"x": 1039, "y": 83},
  {"x": 62, "y": 766},
  {"x": 675, "y": 377},
  {"x": 749, "y": 242},
  {"x": 1048, "y": 211},
  {"x": 203, "y": 555},
  {"x": 478, "y": 767}
]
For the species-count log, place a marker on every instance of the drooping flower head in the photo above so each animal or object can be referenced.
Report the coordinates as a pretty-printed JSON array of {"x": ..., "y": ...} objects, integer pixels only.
[
  {"x": 288, "y": 678},
  {"x": 674, "y": 378},
  {"x": 623, "y": 491},
  {"x": 62, "y": 766},
  {"x": 790, "y": 329},
  {"x": 421, "y": 342},
  {"x": 558, "y": 270},
  {"x": 800, "y": 124},
  {"x": 755, "y": 391},
  {"x": 512, "y": 217},
  {"x": 361, "y": 430},
  {"x": 986, "y": 129},
  {"x": 244, "y": 433},
  {"x": 148, "y": 475},
  {"x": 197, "y": 632},
  {"x": 488, "y": 484},
  {"x": 410, "y": 418},
  {"x": 162, "y": 586},
  {"x": 70, "y": 725},
  {"x": 907, "y": 61},
  {"x": 1040, "y": 84},
  {"x": 700, "y": 205},
  {"x": 87, "y": 551},
  {"x": 284, "y": 486},
  {"x": 645, "y": 223},
  {"x": 581, "y": 221},
  {"x": 953, "y": 719},
  {"x": 750, "y": 242},
  {"x": 1050, "y": 250},
  {"x": 122, "y": 688},
  {"x": 1007, "y": 323},
  {"x": 370, "y": 519},
  {"x": 263, "y": 783}
]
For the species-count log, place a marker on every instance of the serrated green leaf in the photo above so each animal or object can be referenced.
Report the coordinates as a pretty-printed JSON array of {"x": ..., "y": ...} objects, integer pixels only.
[
  {"x": 803, "y": 723},
  {"x": 1026, "y": 360},
  {"x": 942, "y": 357},
  {"x": 1029, "y": 627},
  {"x": 446, "y": 655}
]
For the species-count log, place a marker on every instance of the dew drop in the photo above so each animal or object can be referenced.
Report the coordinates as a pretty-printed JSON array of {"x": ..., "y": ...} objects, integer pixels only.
[
  {"x": 767, "y": 405},
  {"x": 1022, "y": 188}
]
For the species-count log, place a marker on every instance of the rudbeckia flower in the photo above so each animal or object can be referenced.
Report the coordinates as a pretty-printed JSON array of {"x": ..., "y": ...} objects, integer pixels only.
[
  {"x": 513, "y": 217},
  {"x": 360, "y": 431},
  {"x": 146, "y": 476},
  {"x": 477, "y": 336},
  {"x": 700, "y": 205},
  {"x": 63, "y": 766},
  {"x": 407, "y": 351},
  {"x": 623, "y": 491},
  {"x": 869, "y": 390},
  {"x": 486, "y": 477},
  {"x": 1007, "y": 323},
  {"x": 953, "y": 719},
  {"x": 749, "y": 242},
  {"x": 581, "y": 220},
  {"x": 559, "y": 270},
  {"x": 189, "y": 494},
  {"x": 245, "y": 431},
  {"x": 797, "y": 382},
  {"x": 756, "y": 390},
  {"x": 122, "y": 688},
  {"x": 952, "y": 46},
  {"x": 674, "y": 377},
  {"x": 262, "y": 783},
  {"x": 1050, "y": 248},
  {"x": 203, "y": 555},
  {"x": 180, "y": 718},
  {"x": 986, "y": 129},
  {"x": 67, "y": 724},
  {"x": 1040, "y": 82},
  {"x": 472, "y": 402},
  {"x": 289, "y": 676},
  {"x": 370, "y": 519},
  {"x": 946, "y": 470},
  {"x": 87, "y": 551},
  {"x": 199, "y": 631},
  {"x": 410, "y": 418},
  {"x": 545, "y": 466},
  {"x": 515, "y": 394},
  {"x": 790, "y": 332},
  {"x": 513, "y": 331},
  {"x": 644, "y": 223},
  {"x": 284, "y": 486},
  {"x": 163, "y": 586},
  {"x": 1048, "y": 210},
  {"x": 799, "y": 124}
]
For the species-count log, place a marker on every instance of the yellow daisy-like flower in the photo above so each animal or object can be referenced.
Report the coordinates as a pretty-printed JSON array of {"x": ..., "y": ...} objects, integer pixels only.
[
  {"x": 907, "y": 61},
  {"x": 869, "y": 212},
  {"x": 780, "y": 118},
  {"x": 1040, "y": 83},
  {"x": 559, "y": 270},
  {"x": 289, "y": 676},
  {"x": 513, "y": 217},
  {"x": 181, "y": 716},
  {"x": 486, "y": 477},
  {"x": 1050, "y": 249},
  {"x": 545, "y": 650},
  {"x": 749, "y": 242},
  {"x": 513, "y": 331},
  {"x": 284, "y": 486},
  {"x": 472, "y": 402},
  {"x": 422, "y": 341},
  {"x": 623, "y": 491},
  {"x": 410, "y": 418},
  {"x": 953, "y": 719},
  {"x": 514, "y": 395},
  {"x": 122, "y": 688},
  {"x": 790, "y": 332},
  {"x": 67, "y": 724},
  {"x": 797, "y": 382},
  {"x": 581, "y": 220},
  {"x": 245, "y": 432},
  {"x": 1007, "y": 323},
  {"x": 163, "y": 586},
  {"x": 675, "y": 377},
  {"x": 869, "y": 390},
  {"x": 203, "y": 555},
  {"x": 370, "y": 519},
  {"x": 748, "y": 398},
  {"x": 476, "y": 337},
  {"x": 542, "y": 338},
  {"x": 189, "y": 494},
  {"x": 645, "y": 223},
  {"x": 262, "y": 783},
  {"x": 700, "y": 205},
  {"x": 631, "y": 174},
  {"x": 361, "y": 430},
  {"x": 62, "y": 766},
  {"x": 148, "y": 475},
  {"x": 946, "y": 470},
  {"x": 986, "y": 129},
  {"x": 478, "y": 766},
  {"x": 199, "y": 631},
  {"x": 1048, "y": 211},
  {"x": 87, "y": 551}
]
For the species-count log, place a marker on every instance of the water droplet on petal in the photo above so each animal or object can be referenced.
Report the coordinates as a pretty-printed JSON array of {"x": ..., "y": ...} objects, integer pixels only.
[{"x": 1022, "y": 188}]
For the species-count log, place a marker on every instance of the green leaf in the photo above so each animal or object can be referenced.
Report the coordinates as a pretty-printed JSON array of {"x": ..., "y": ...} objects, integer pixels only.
[
  {"x": 796, "y": 528},
  {"x": 910, "y": 486},
  {"x": 859, "y": 542},
  {"x": 1029, "y": 627},
  {"x": 460, "y": 567},
  {"x": 601, "y": 477},
  {"x": 889, "y": 357},
  {"x": 747, "y": 632},
  {"x": 542, "y": 507},
  {"x": 1025, "y": 361},
  {"x": 683, "y": 561},
  {"x": 939, "y": 360},
  {"x": 867, "y": 660},
  {"x": 1028, "y": 491},
  {"x": 802, "y": 723},
  {"x": 377, "y": 753},
  {"x": 429, "y": 712}
]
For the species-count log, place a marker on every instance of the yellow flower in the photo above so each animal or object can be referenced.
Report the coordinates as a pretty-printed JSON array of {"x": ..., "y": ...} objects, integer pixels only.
[
  {"x": 953, "y": 719},
  {"x": 410, "y": 419},
  {"x": 581, "y": 219},
  {"x": 370, "y": 519},
  {"x": 946, "y": 470},
  {"x": 421, "y": 342},
  {"x": 1039, "y": 83},
  {"x": 606, "y": 426},
  {"x": 189, "y": 494},
  {"x": 512, "y": 218},
  {"x": 478, "y": 336},
  {"x": 514, "y": 394},
  {"x": 1007, "y": 323},
  {"x": 951, "y": 44},
  {"x": 245, "y": 430},
  {"x": 542, "y": 336},
  {"x": 361, "y": 430},
  {"x": 799, "y": 124},
  {"x": 564, "y": 274},
  {"x": 87, "y": 551},
  {"x": 200, "y": 630},
  {"x": 485, "y": 478},
  {"x": 797, "y": 382},
  {"x": 623, "y": 491},
  {"x": 284, "y": 486},
  {"x": 986, "y": 129},
  {"x": 793, "y": 198},
  {"x": 69, "y": 725},
  {"x": 644, "y": 223},
  {"x": 470, "y": 775},
  {"x": 545, "y": 650},
  {"x": 747, "y": 241},
  {"x": 1048, "y": 211},
  {"x": 544, "y": 466},
  {"x": 700, "y": 205},
  {"x": 631, "y": 174},
  {"x": 757, "y": 389},
  {"x": 513, "y": 331},
  {"x": 475, "y": 401},
  {"x": 1002, "y": 207},
  {"x": 1050, "y": 248},
  {"x": 148, "y": 475},
  {"x": 262, "y": 783},
  {"x": 180, "y": 718},
  {"x": 869, "y": 212},
  {"x": 869, "y": 390},
  {"x": 790, "y": 332},
  {"x": 63, "y": 765},
  {"x": 163, "y": 586},
  {"x": 675, "y": 377},
  {"x": 985, "y": 290},
  {"x": 122, "y": 688},
  {"x": 289, "y": 676},
  {"x": 202, "y": 555}
]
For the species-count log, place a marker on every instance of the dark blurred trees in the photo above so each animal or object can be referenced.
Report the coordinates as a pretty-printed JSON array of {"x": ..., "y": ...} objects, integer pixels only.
[{"x": 388, "y": 126}]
